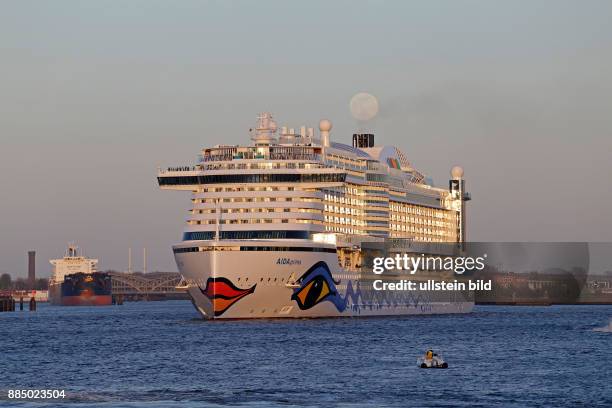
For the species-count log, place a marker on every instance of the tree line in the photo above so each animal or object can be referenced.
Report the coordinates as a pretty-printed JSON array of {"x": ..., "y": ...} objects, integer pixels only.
[{"x": 7, "y": 283}]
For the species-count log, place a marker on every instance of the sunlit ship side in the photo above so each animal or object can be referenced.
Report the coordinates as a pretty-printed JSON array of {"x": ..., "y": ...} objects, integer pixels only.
[{"x": 282, "y": 227}]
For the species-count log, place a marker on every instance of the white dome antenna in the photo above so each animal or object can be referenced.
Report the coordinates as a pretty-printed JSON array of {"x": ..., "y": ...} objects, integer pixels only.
[
  {"x": 456, "y": 173},
  {"x": 324, "y": 127}
]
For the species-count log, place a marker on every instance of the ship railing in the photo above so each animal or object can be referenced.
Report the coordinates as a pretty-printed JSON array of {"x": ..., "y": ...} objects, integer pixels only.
[
  {"x": 253, "y": 156},
  {"x": 179, "y": 168},
  {"x": 284, "y": 156}
]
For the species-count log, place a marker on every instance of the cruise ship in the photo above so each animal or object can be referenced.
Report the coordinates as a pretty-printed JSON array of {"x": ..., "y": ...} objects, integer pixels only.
[{"x": 286, "y": 226}]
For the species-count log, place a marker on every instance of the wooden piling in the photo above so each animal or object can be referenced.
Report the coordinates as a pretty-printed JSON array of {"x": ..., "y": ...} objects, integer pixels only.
[{"x": 7, "y": 304}]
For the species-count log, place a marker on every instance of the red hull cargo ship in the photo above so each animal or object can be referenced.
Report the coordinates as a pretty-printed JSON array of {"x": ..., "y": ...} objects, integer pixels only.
[{"x": 84, "y": 289}]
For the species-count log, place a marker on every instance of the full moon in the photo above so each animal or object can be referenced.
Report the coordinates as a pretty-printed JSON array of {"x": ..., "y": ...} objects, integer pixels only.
[{"x": 364, "y": 106}]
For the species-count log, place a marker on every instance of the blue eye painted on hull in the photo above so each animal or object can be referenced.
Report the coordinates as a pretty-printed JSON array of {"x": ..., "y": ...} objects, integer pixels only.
[{"x": 317, "y": 285}]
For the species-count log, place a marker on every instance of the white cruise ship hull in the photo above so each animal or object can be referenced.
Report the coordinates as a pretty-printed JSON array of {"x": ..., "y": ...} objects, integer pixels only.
[{"x": 243, "y": 280}]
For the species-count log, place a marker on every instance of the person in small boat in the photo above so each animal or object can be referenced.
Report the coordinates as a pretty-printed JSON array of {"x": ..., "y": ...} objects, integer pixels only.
[{"x": 429, "y": 354}]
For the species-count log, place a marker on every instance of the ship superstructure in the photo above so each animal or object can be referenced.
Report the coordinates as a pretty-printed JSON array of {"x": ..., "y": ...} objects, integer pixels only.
[
  {"x": 72, "y": 262},
  {"x": 75, "y": 281},
  {"x": 276, "y": 227}
]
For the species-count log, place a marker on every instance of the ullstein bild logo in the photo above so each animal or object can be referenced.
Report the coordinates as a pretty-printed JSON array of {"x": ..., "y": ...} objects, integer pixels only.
[{"x": 412, "y": 264}]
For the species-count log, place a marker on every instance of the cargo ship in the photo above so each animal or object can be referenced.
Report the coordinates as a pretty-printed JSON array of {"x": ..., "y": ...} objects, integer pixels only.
[
  {"x": 87, "y": 289},
  {"x": 281, "y": 227},
  {"x": 75, "y": 281}
]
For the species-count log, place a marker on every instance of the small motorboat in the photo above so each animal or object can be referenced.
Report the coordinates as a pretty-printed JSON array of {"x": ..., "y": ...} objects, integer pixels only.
[
  {"x": 605, "y": 329},
  {"x": 431, "y": 360}
]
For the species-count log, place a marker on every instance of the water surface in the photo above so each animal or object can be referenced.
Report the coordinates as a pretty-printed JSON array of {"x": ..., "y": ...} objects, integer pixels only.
[{"x": 160, "y": 354}]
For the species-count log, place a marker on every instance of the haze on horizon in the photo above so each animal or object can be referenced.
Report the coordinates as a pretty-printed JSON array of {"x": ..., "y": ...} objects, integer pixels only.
[{"x": 94, "y": 96}]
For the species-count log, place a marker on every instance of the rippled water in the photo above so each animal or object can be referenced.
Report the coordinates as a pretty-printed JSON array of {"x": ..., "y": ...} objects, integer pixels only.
[{"x": 161, "y": 354}]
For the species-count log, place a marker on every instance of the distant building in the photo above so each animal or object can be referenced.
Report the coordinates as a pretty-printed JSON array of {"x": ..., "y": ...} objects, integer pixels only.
[{"x": 31, "y": 270}]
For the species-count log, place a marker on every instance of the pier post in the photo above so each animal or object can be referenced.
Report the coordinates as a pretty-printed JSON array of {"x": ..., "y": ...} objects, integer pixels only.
[
  {"x": 7, "y": 304},
  {"x": 32, "y": 304},
  {"x": 21, "y": 303}
]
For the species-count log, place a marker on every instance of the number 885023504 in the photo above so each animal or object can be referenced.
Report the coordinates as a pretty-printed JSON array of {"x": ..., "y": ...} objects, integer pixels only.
[{"x": 36, "y": 394}]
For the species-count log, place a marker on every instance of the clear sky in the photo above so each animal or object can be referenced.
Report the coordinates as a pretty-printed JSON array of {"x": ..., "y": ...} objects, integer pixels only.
[{"x": 95, "y": 95}]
